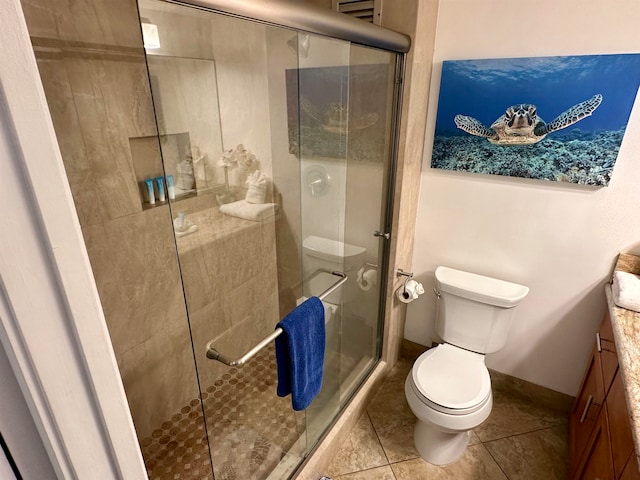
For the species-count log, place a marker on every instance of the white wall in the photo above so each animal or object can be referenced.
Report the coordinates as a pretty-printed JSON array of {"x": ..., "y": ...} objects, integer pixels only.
[
  {"x": 560, "y": 240},
  {"x": 19, "y": 430}
]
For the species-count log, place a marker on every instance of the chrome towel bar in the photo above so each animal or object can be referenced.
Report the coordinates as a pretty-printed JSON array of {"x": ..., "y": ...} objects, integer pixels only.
[{"x": 214, "y": 354}]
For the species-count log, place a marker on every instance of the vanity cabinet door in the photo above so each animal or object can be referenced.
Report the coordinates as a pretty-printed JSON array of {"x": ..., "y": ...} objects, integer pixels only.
[
  {"x": 596, "y": 462},
  {"x": 608, "y": 355},
  {"x": 631, "y": 471},
  {"x": 585, "y": 409},
  {"x": 619, "y": 426}
]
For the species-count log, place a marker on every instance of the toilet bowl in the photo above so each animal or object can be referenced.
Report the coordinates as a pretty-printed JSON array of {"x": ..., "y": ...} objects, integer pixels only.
[{"x": 449, "y": 388}]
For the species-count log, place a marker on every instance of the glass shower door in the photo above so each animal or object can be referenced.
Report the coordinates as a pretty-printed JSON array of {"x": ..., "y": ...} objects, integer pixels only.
[
  {"x": 273, "y": 142},
  {"x": 346, "y": 94},
  {"x": 218, "y": 85}
]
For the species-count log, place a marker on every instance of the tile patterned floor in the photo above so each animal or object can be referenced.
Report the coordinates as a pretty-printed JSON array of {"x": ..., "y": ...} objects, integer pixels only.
[{"x": 525, "y": 438}]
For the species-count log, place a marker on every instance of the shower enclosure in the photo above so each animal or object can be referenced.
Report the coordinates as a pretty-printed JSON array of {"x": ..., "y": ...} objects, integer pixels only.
[{"x": 229, "y": 171}]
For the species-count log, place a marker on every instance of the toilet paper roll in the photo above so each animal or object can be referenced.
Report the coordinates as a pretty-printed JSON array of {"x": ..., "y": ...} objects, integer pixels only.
[
  {"x": 409, "y": 292},
  {"x": 367, "y": 280}
]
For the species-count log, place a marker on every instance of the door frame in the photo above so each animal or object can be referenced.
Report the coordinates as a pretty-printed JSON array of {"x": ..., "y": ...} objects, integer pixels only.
[{"x": 52, "y": 326}]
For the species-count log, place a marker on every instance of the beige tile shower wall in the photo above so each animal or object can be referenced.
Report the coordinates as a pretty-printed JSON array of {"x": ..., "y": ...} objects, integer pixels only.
[
  {"x": 92, "y": 106},
  {"x": 105, "y": 22},
  {"x": 172, "y": 21},
  {"x": 184, "y": 85},
  {"x": 241, "y": 65},
  {"x": 57, "y": 85},
  {"x": 92, "y": 66},
  {"x": 186, "y": 101},
  {"x": 230, "y": 279}
]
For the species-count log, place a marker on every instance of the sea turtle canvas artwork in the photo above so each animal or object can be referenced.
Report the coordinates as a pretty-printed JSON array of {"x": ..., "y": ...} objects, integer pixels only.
[{"x": 489, "y": 116}]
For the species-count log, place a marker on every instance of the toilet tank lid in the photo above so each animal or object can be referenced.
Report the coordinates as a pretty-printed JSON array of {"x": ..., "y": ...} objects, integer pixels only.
[
  {"x": 327, "y": 249},
  {"x": 480, "y": 288}
]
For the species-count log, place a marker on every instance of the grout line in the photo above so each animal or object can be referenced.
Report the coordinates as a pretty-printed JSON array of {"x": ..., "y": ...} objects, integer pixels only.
[
  {"x": 377, "y": 436},
  {"x": 496, "y": 461},
  {"x": 519, "y": 434},
  {"x": 366, "y": 470}
]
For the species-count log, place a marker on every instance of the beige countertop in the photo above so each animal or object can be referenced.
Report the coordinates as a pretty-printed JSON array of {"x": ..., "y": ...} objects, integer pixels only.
[{"x": 626, "y": 332}]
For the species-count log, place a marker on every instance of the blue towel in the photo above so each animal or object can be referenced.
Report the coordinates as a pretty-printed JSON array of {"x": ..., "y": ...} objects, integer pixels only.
[{"x": 300, "y": 353}]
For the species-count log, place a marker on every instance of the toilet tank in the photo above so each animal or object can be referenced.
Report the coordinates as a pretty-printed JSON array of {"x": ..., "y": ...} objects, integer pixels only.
[
  {"x": 475, "y": 312},
  {"x": 328, "y": 254}
]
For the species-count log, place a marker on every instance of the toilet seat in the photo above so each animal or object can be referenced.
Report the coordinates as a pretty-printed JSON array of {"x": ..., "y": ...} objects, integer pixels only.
[{"x": 451, "y": 380}]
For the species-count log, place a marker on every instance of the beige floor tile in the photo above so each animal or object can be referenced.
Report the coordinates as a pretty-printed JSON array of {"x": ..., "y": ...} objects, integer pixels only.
[
  {"x": 360, "y": 451},
  {"x": 392, "y": 418},
  {"x": 475, "y": 464},
  {"x": 521, "y": 407},
  {"x": 541, "y": 454},
  {"x": 380, "y": 473}
]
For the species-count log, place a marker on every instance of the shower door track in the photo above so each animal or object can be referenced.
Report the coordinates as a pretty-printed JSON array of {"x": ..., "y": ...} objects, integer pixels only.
[{"x": 308, "y": 18}]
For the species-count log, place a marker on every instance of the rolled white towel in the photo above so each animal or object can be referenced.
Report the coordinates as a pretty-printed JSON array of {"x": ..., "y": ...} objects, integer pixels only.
[
  {"x": 256, "y": 212},
  {"x": 626, "y": 290},
  {"x": 257, "y": 191}
]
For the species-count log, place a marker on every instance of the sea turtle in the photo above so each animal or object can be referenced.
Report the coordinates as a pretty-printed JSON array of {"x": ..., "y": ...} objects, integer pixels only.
[
  {"x": 334, "y": 117},
  {"x": 520, "y": 124}
]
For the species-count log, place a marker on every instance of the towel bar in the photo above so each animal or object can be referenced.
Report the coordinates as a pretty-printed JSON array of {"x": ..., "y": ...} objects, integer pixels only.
[{"x": 214, "y": 354}]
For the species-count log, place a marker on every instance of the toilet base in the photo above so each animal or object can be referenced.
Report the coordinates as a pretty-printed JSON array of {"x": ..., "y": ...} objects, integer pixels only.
[{"x": 438, "y": 447}]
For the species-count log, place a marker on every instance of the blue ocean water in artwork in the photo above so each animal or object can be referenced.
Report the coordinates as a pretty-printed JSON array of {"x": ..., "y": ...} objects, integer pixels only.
[{"x": 584, "y": 152}]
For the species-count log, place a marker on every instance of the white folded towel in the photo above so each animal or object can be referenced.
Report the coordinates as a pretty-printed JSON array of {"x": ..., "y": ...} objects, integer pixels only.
[
  {"x": 626, "y": 290},
  {"x": 255, "y": 212},
  {"x": 257, "y": 191},
  {"x": 183, "y": 226}
]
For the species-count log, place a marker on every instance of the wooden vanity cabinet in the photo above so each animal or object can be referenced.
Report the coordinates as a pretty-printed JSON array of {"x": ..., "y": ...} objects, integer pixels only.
[
  {"x": 596, "y": 463},
  {"x": 619, "y": 426},
  {"x": 600, "y": 438},
  {"x": 632, "y": 470},
  {"x": 586, "y": 408}
]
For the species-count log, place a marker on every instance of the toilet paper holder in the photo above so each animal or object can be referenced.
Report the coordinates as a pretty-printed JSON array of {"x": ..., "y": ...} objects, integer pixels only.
[
  {"x": 368, "y": 266},
  {"x": 408, "y": 276},
  {"x": 367, "y": 276}
]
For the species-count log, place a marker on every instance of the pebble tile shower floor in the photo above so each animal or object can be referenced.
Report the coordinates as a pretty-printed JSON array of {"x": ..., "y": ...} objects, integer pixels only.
[{"x": 250, "y": 429}]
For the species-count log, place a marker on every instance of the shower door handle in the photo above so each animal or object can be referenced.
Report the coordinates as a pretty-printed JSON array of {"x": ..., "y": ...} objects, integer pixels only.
[
  {"x": 385, "y": 235},
  {"x": 213, "y": 354}
]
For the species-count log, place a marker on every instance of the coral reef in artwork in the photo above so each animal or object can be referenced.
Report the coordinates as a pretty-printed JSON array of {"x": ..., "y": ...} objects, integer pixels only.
[{"x": 580, "y": 157}]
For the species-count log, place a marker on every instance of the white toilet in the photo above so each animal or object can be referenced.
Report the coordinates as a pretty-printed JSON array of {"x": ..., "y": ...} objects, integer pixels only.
[{"x": 449, "y": 388}]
